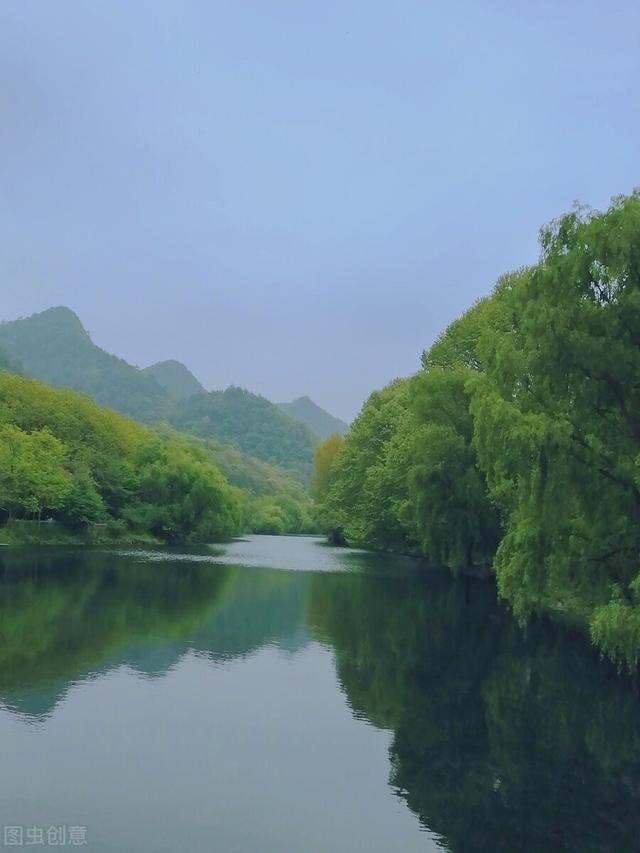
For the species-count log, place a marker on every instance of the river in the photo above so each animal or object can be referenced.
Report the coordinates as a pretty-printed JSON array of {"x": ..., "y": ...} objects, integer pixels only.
[{"x": 279, "y": 695}]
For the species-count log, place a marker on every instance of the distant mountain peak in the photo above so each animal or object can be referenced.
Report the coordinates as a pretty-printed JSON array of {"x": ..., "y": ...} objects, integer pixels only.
[
  {"x": 60, "y": 317},
  {"x": 175, "y": 378},
  {"x": 320, "y": 422},
  {"x": 55, "y": 347}
]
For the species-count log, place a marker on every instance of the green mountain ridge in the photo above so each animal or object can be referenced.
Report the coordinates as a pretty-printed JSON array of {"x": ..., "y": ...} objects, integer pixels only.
[
  {"x": 176, "y": 379},
  {"x": 251, "y": 422},
  {"x": 54, "y": 347},
  {"x": 320, "y": 422}
]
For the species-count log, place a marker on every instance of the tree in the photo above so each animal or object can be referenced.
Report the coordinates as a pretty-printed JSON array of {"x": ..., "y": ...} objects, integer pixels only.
[
  {"x": 63, "y": 454},
  {"x": 33, "y": 475},
  {"x": 183, "y": 496},
  {"x": 13, "y": 456},
  {"x": 324, "y": 460},
  {"x": 557, "y": 424},
  {"x": 84, "y": 504},
  {"x": 448, "y": 501},
  {"x": 366, "y": 489}
]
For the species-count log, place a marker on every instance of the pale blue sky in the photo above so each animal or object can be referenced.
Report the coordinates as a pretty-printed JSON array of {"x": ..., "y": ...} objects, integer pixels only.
[{"x": 297, "y": 197}]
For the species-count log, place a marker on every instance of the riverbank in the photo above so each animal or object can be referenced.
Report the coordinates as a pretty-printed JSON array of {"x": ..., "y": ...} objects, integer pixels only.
[{"x": 23, "y": 534}]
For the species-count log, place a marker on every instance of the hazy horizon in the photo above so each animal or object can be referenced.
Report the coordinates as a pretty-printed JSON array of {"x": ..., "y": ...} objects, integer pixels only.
[{"x": 294, "y": 198}]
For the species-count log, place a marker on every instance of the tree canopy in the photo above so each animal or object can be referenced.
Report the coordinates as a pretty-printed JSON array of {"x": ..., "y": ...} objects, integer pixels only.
[
  {"x": 517, "y": 444},
  {"x": 63, "y": 456}
]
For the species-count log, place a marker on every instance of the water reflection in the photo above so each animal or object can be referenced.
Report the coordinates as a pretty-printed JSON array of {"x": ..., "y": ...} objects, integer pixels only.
[{"x": 501, "y": 740}]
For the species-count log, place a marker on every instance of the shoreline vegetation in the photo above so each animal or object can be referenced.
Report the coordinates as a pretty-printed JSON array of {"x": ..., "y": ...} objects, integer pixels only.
[
  {"x": 515, "y": 449},
  {"x": 25, "y": 532},
  {"x": 513, "y": 452}
]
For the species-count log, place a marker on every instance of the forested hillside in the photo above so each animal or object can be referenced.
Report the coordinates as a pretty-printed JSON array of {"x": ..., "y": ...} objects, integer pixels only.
[
  {"x": 253, "y": 423},
  {"x": 320, "y": 422},
  {"x": 516, "y": 445},
  {"x": 63, "y": 457},
  {"x": 53, "y": 346},
  {"x": 274, "y": 500}
]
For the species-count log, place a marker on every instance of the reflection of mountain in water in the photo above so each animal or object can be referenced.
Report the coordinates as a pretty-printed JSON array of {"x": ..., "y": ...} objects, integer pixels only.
[
  {"x": 502, "y": 741},
  {"x": 67, "y": 616},
  {"x": 260, "y": 608}
]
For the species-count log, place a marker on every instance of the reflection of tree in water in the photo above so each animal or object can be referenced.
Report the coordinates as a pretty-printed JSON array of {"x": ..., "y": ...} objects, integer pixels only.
[
  {"x": 502, "y": 741},
  {"x": 62, "y": 615}
]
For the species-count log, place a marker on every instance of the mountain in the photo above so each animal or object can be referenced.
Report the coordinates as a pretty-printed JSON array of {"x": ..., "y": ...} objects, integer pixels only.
[
  {"x": 255, "y": 476},
  {"x": 54, "y": 346},
  {"x": 175, "y": 378},
  {"x": 256, "y": 425},
  {"x": 316, "y": 419}
]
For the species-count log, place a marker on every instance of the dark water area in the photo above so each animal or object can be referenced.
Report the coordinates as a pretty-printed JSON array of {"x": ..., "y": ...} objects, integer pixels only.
[{"x": 280, "y": 695}]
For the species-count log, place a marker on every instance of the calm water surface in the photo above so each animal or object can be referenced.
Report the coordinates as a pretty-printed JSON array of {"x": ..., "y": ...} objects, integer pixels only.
[{"x": 279, "y": 695}]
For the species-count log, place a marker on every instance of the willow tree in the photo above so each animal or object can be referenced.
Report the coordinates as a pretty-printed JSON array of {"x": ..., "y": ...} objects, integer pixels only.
[
  {"x": 367, "y": 489},
  {"x": 557, "y": 425},
  {"x": 455, "y": 521}
]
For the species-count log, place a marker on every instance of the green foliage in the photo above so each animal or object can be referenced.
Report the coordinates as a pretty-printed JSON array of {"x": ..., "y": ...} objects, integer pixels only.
[
  {"x": 324, "y": 459},
  {"x": 64, "y": 457},
  {"x": 408, "y": 477},
  {"x": 252, "y": 423},
  {"x": 33, "y": 476},
  {"x": 520, "y": 436},
  {"x": 448, "y": 502},
  {"x": 365, "y": 493},
  {"x": 279, "y": 514},
  {"x": 615, "y": 626},
  {"x": 273, "y": 500},
  {"x": 183, "y": 496},
  {"x": 557, "y": 422},
  {"x": 84, "y": 505}
]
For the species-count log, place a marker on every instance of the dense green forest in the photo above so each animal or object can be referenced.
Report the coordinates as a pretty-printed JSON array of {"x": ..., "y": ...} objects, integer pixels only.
[
  {"x": 64, "y": 458},
  {"x": 275, "y": 502},
  {"x": 253, "y": 423},
  {"x": 516, "y": 447}
]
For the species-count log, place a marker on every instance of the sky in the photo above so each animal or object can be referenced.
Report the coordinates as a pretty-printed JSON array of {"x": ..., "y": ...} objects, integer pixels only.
[{"x": 297, "y": 197}]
